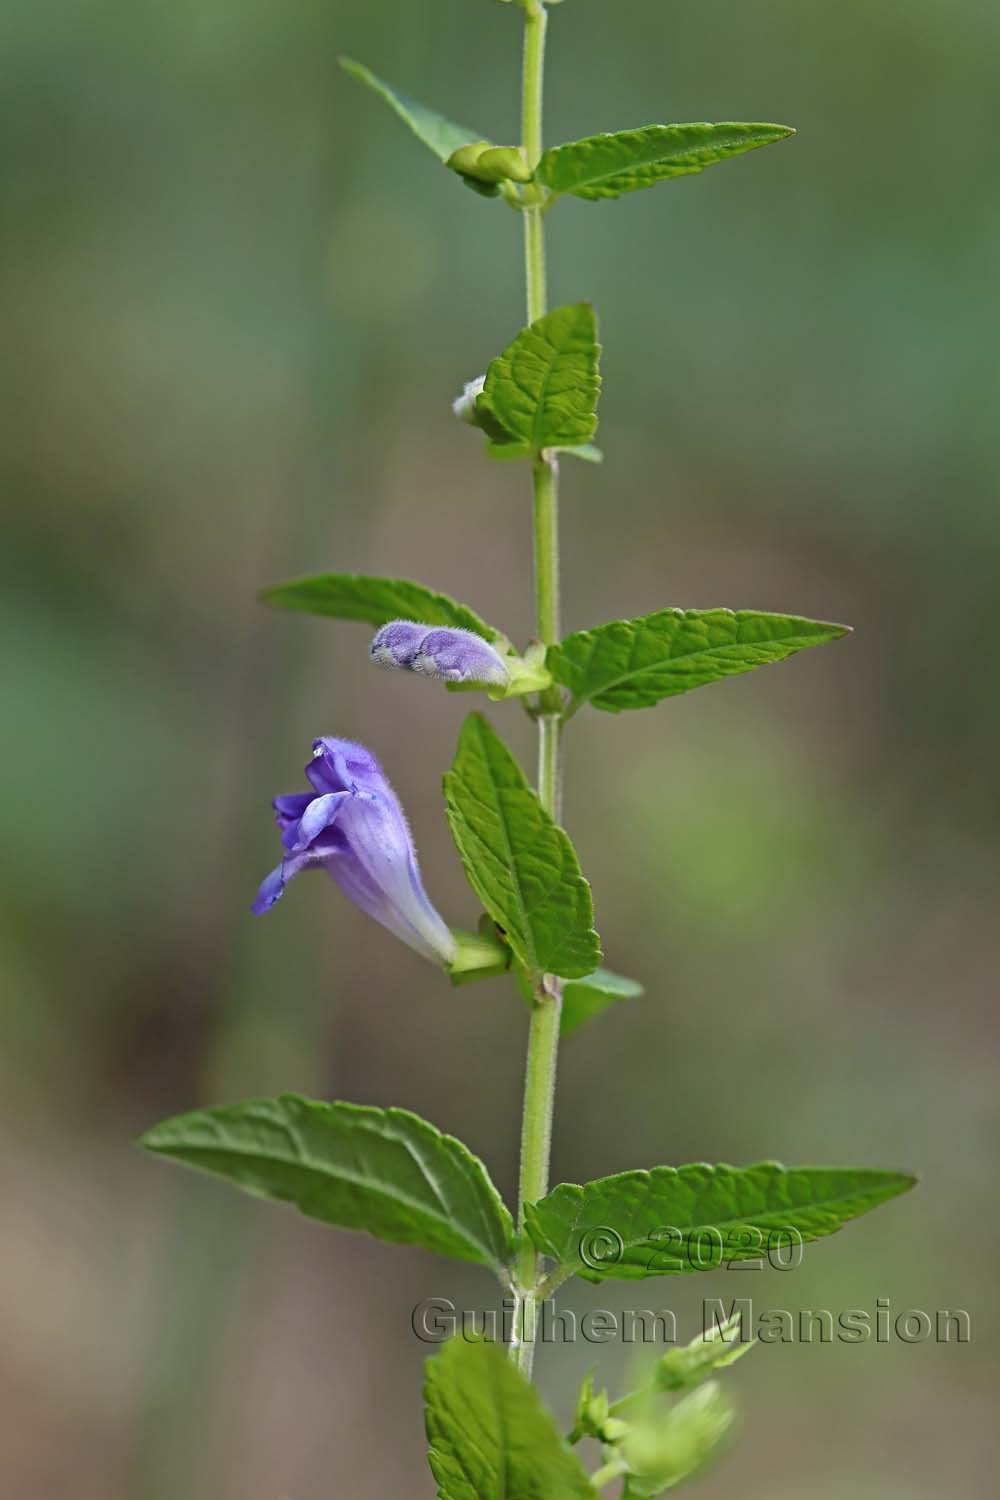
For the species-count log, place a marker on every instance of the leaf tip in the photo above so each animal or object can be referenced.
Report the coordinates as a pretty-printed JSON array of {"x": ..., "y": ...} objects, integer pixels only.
[{"x": 149, "y": 1140}]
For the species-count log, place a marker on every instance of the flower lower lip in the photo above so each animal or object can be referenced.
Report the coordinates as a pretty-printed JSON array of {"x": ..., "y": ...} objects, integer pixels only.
[{"x": 353, "y": 827}]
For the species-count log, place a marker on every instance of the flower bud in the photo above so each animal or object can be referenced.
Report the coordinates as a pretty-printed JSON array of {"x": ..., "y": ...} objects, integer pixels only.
[
  {"x": 500, "y": 163},
  {"x": 449, "y": 654},
  {"x": 471, "y": 407},
  {"x": 488, "y": 165},
  {"x": 464, "y": 160},
  {"x": 464, "y": 406}
]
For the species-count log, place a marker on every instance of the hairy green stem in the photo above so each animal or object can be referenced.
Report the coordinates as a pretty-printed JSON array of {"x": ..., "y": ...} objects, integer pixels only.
[
  {"x": 611, "y": 1470},
  {"x": 532, "y": 88},
  {"x": 536, "y": 1138},
  {"x": 543, "y": 1036},
  {"x": 546, "y": 523}
]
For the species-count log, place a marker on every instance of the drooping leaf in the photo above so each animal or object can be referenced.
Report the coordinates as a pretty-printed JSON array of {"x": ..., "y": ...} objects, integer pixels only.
[
  {"x": 583, "y": 999},
  {"x": 589, "y": 452},
  {"x": 636, "y": 663},
  {"x": 543, "y": 388},
  {"x": 521, "y": 865},
  {"x": 692, "y": 1218},
  {"x": 490, "y": 1436},
  {"x": 427, "y": 125},
  {"x": 359, "y": 596},
  {"x": 604, "y": 166},
  {"x": 383, "y": 1170}
]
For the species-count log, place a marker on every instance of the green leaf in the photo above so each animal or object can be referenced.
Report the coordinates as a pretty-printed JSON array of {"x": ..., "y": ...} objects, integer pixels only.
[
  {"x": 692, "y": 1218},
  {"x": 589, "y": 452},
  {"x": 358, "y": 596},
  {"x": 382, "y": 1170},
  {"x": 635, "y": 663},
  {"x": 543, "y": 388},
  {"x": 505, "y": 452},
  {"x": 521, "y": 865},
  {"x": 604, "y": 166},
  {"x": 490, "y": 1436},
  {"x": 683, "y": 1368},
  {"x": 427, "y": 125},
  {"x": 664, "y": 1448},
  {"x": 583, "y": 999}
]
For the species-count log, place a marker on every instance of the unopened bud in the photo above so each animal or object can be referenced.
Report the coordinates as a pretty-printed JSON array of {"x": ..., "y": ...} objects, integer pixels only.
[
  {"x": 464, "y": 406},
  {"x": 464, "y": 159},
  {"x": 472, "y": 407},
  {"x": 503, "y": 162},
  {"x": 488, "y": 165},
  {"x": 449, "y": 654}
]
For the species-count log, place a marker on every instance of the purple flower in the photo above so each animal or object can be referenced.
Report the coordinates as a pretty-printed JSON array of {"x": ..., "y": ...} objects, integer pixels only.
[
  {"x": 352, "y": 825},
  {"x": 439, "y": 651}
]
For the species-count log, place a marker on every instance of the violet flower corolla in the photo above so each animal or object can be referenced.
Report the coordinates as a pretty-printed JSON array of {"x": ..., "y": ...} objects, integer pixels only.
[
  {"x": 352, "y": 826},
  {"x": 445, "y": 652}
]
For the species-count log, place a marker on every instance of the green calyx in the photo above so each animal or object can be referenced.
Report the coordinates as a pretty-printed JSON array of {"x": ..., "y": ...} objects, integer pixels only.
[
  {"x": 479, "y": 955},
  {"x": 527, "y": 673},
  {"x": 594, "y": 1419}
]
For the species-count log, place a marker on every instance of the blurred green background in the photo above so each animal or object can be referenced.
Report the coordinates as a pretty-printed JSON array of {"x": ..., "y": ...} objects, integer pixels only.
[{"x": 238, "y": 299}]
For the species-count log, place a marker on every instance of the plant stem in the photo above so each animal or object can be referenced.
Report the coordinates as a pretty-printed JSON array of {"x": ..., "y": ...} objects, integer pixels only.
[
  {"x": 543, "y": 1035},
  {"x": 536, "y": 1137},
  {"x": 532, "y": 89},
  {"x": 610, "y": 1471}
]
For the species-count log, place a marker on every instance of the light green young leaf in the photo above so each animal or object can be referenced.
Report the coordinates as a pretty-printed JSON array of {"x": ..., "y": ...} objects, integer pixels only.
[
  {"x": 383, "y": 1170},
  {"x": 635, "y": 663},
  {"x": 490, "y": 1436},
  {"x": 663, "y": 1448},
  {"x": 521, "y": 865},
  {"x": 358, "y": 596},
  {"x": 543, "y": 388},
  {"x": 650, "y": 1221},
  {"x": 589, "y": 452},
  {"x": 583, "y": 999},
  {"x": 683, "y": 1368},
  {"x": 433, "y": 129},
  {"x": 605, "y": 166}
]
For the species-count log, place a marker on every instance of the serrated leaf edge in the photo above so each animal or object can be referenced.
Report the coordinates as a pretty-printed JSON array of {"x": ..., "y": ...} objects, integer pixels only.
[
  {"x": 644, "y": 1175},
  {"x": 361, "y": 1112},
  {"x": 828, "y": 631}
]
